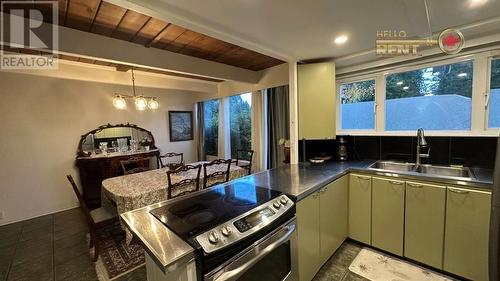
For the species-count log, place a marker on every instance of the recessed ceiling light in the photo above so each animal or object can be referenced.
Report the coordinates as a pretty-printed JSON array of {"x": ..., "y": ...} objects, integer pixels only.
[
  {"x": 476, "y": 3},
  {"x": 340, "y": 39},
  {"x": 463, "y": 74},
  {"x": 399, "y": 83},
  {"x": 406, "y": 88}
]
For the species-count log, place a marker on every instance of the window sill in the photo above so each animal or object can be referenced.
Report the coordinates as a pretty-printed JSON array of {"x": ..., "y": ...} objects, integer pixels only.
[{"x": 488, "y": 133}]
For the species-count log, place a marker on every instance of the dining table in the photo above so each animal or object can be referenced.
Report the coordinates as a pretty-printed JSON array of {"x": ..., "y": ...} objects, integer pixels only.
[{"x": 133, "y": 191}]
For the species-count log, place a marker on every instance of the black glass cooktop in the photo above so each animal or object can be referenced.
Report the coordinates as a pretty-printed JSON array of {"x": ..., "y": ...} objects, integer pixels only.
[{"x": 201, "y": 212}]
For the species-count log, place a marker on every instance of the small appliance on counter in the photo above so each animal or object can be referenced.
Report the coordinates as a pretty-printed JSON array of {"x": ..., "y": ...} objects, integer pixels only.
[{"x": 342, "y": 150}]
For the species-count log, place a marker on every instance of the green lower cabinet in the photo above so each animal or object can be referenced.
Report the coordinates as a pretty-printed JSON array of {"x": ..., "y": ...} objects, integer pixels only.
[
  {"x": 308, "y": 237},
  {"x": 467, "y": 233},
  {"x": 360, "y": 208},
  {"x": 424, "y": 223},
  {"x": 333, "y": 217},
  {"x": 388, "y": 206}
]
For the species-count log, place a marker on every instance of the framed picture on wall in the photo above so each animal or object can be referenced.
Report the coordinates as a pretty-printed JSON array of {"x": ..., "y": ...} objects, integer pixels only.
[{"x": 180, "y": 125}]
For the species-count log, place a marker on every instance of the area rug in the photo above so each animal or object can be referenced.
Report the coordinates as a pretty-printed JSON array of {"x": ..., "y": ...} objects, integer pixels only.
[
  {"x": 377, "y": 266},
  {"x": 117, "y": 258}
]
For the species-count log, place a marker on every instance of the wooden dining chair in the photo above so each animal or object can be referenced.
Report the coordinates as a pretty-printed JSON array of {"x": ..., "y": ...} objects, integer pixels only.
[
  {"x": 163, "y": 160},
  {"x": 135, "y": 165},
  {"x": 221, "y": 174},
  {"x": 183, "y": 180},
  {"x": 244, "y": 158},
  {"x": 96, "y": 219}
]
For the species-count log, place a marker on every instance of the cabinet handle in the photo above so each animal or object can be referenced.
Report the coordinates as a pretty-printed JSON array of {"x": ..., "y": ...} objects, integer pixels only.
[
  {"x": 363, "y": 178},
  {"x": 396, "y": 182},
  {"x": 414, "y": 185},
  {"x": 458, "y": 191},
  {"x": 315, "y": 195},
  {"x": 323, "y": 190}
]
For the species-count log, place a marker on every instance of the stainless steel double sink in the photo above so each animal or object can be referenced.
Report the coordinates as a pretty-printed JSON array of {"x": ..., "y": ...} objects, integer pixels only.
[{"x": 446, "y": 171}]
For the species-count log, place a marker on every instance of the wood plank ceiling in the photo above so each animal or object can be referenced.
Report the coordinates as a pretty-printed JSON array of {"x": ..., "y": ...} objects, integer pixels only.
[
  {"x": 100, "y": 17},
  {"x": 119, "y": 67}
]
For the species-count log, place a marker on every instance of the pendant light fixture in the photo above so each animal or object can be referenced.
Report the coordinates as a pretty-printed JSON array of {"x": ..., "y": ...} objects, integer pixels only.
[{"x": 141, "y": 102}]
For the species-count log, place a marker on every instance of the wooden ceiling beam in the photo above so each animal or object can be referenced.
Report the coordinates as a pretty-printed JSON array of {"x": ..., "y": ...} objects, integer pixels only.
[
  {"x": 95, "y": 15},
  {"x": 80, "y": 43},
  {"x": 158, "y": 36}
]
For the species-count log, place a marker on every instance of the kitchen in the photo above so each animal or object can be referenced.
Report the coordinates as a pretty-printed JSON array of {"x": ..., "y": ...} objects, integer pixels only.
[{"x": 258, "y": 141}]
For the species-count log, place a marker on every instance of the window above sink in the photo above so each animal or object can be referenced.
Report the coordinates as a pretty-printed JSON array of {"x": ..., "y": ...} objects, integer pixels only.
[{"x": 457, "y": 96}]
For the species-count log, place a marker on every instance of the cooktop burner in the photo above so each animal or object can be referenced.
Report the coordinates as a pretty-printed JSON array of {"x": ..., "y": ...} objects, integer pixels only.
[{"x": 201, "y": 212}]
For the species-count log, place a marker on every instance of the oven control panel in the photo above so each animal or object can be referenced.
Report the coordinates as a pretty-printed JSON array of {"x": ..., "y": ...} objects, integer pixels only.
[{"x": 244, "y": 225}]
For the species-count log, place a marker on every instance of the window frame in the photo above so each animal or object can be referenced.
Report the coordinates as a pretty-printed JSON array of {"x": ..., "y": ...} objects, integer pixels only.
[
  {"x": 487, "y": 95},
  {"x": 338, "y": 110},
  {"x": 481, "y": 63}
]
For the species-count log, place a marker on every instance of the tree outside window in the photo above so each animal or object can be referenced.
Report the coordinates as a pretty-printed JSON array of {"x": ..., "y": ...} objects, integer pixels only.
[
  {"x": 240, "y": 113},
  {"x": 211, "y": 126},
  {"x": 433, "y": 98}
]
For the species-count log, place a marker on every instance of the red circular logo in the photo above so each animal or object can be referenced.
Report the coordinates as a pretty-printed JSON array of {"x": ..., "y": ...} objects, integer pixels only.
[{"x": 451, "y": 41}]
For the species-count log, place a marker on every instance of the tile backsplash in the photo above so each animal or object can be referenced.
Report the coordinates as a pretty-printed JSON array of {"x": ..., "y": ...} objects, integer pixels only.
[{"x": 467, "y": 151}]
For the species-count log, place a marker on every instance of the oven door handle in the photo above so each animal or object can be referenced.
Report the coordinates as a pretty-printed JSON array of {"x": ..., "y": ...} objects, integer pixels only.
[{"x": 233, "y": 274}]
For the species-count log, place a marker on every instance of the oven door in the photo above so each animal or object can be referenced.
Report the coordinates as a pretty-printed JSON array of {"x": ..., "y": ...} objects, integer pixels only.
[{"x": 268, "y": 259}]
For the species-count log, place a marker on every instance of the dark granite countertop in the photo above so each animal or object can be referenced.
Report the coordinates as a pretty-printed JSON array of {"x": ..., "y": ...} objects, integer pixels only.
[
  {"x": 297, "y": 181},
  {"x": 303, "y": 179}
]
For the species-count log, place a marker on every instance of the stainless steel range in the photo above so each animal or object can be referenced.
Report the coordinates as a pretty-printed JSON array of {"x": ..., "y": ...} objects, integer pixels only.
[{"x": 239, "y": 231}]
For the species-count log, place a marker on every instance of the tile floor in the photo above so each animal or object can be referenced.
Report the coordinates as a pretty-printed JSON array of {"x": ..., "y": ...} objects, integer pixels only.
[
  {"x": 51, "y": 247},
  {"x": 337, "y": 267},
  {"x": 54, "y": 247}
]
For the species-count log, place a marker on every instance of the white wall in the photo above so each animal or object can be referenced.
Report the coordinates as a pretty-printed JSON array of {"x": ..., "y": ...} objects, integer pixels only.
[{"x": 41, "y": 120}]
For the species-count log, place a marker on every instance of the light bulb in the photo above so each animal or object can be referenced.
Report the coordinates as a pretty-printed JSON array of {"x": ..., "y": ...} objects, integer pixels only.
[
  {"x": 140, "y": 103},
  {"x": 119, "y": 102},
  {"x": 153, "y": 104},
  {"x": 340, "y": 39}
]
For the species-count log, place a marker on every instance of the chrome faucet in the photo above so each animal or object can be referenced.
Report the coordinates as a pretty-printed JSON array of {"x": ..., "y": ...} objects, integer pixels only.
[{"x": 421, "y": 143}]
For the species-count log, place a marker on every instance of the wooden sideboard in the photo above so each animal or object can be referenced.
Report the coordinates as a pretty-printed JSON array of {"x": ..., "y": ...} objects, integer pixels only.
[{"x": 94, "y": 169}]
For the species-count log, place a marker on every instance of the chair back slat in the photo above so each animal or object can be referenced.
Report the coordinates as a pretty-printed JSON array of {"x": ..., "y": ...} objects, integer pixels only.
[
  {"x": 164, "y": 163},
  {"x": 245, "y": 155},
  {"x": 219, "y": 176},
  {"x": 80, "y": 198},
  {"x": 189, "y": 180},
  {"x": 135, "y": 165}
]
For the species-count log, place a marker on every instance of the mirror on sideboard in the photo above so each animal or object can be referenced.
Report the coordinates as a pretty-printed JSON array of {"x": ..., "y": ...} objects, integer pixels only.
[{"x": 115, "y": 139}]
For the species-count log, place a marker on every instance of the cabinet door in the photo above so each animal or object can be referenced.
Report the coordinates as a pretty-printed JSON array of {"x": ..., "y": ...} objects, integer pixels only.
[
  {"x": 388, "y": 208},
  {"x": 467, "y": 233},
  {"x": 333, "y": 217},
  {"x": 360, "y": 206},
  {"x": 424, "y": 223},
  {"x": 308, "y": 236},
  {"x": 316, "y": 99}
]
